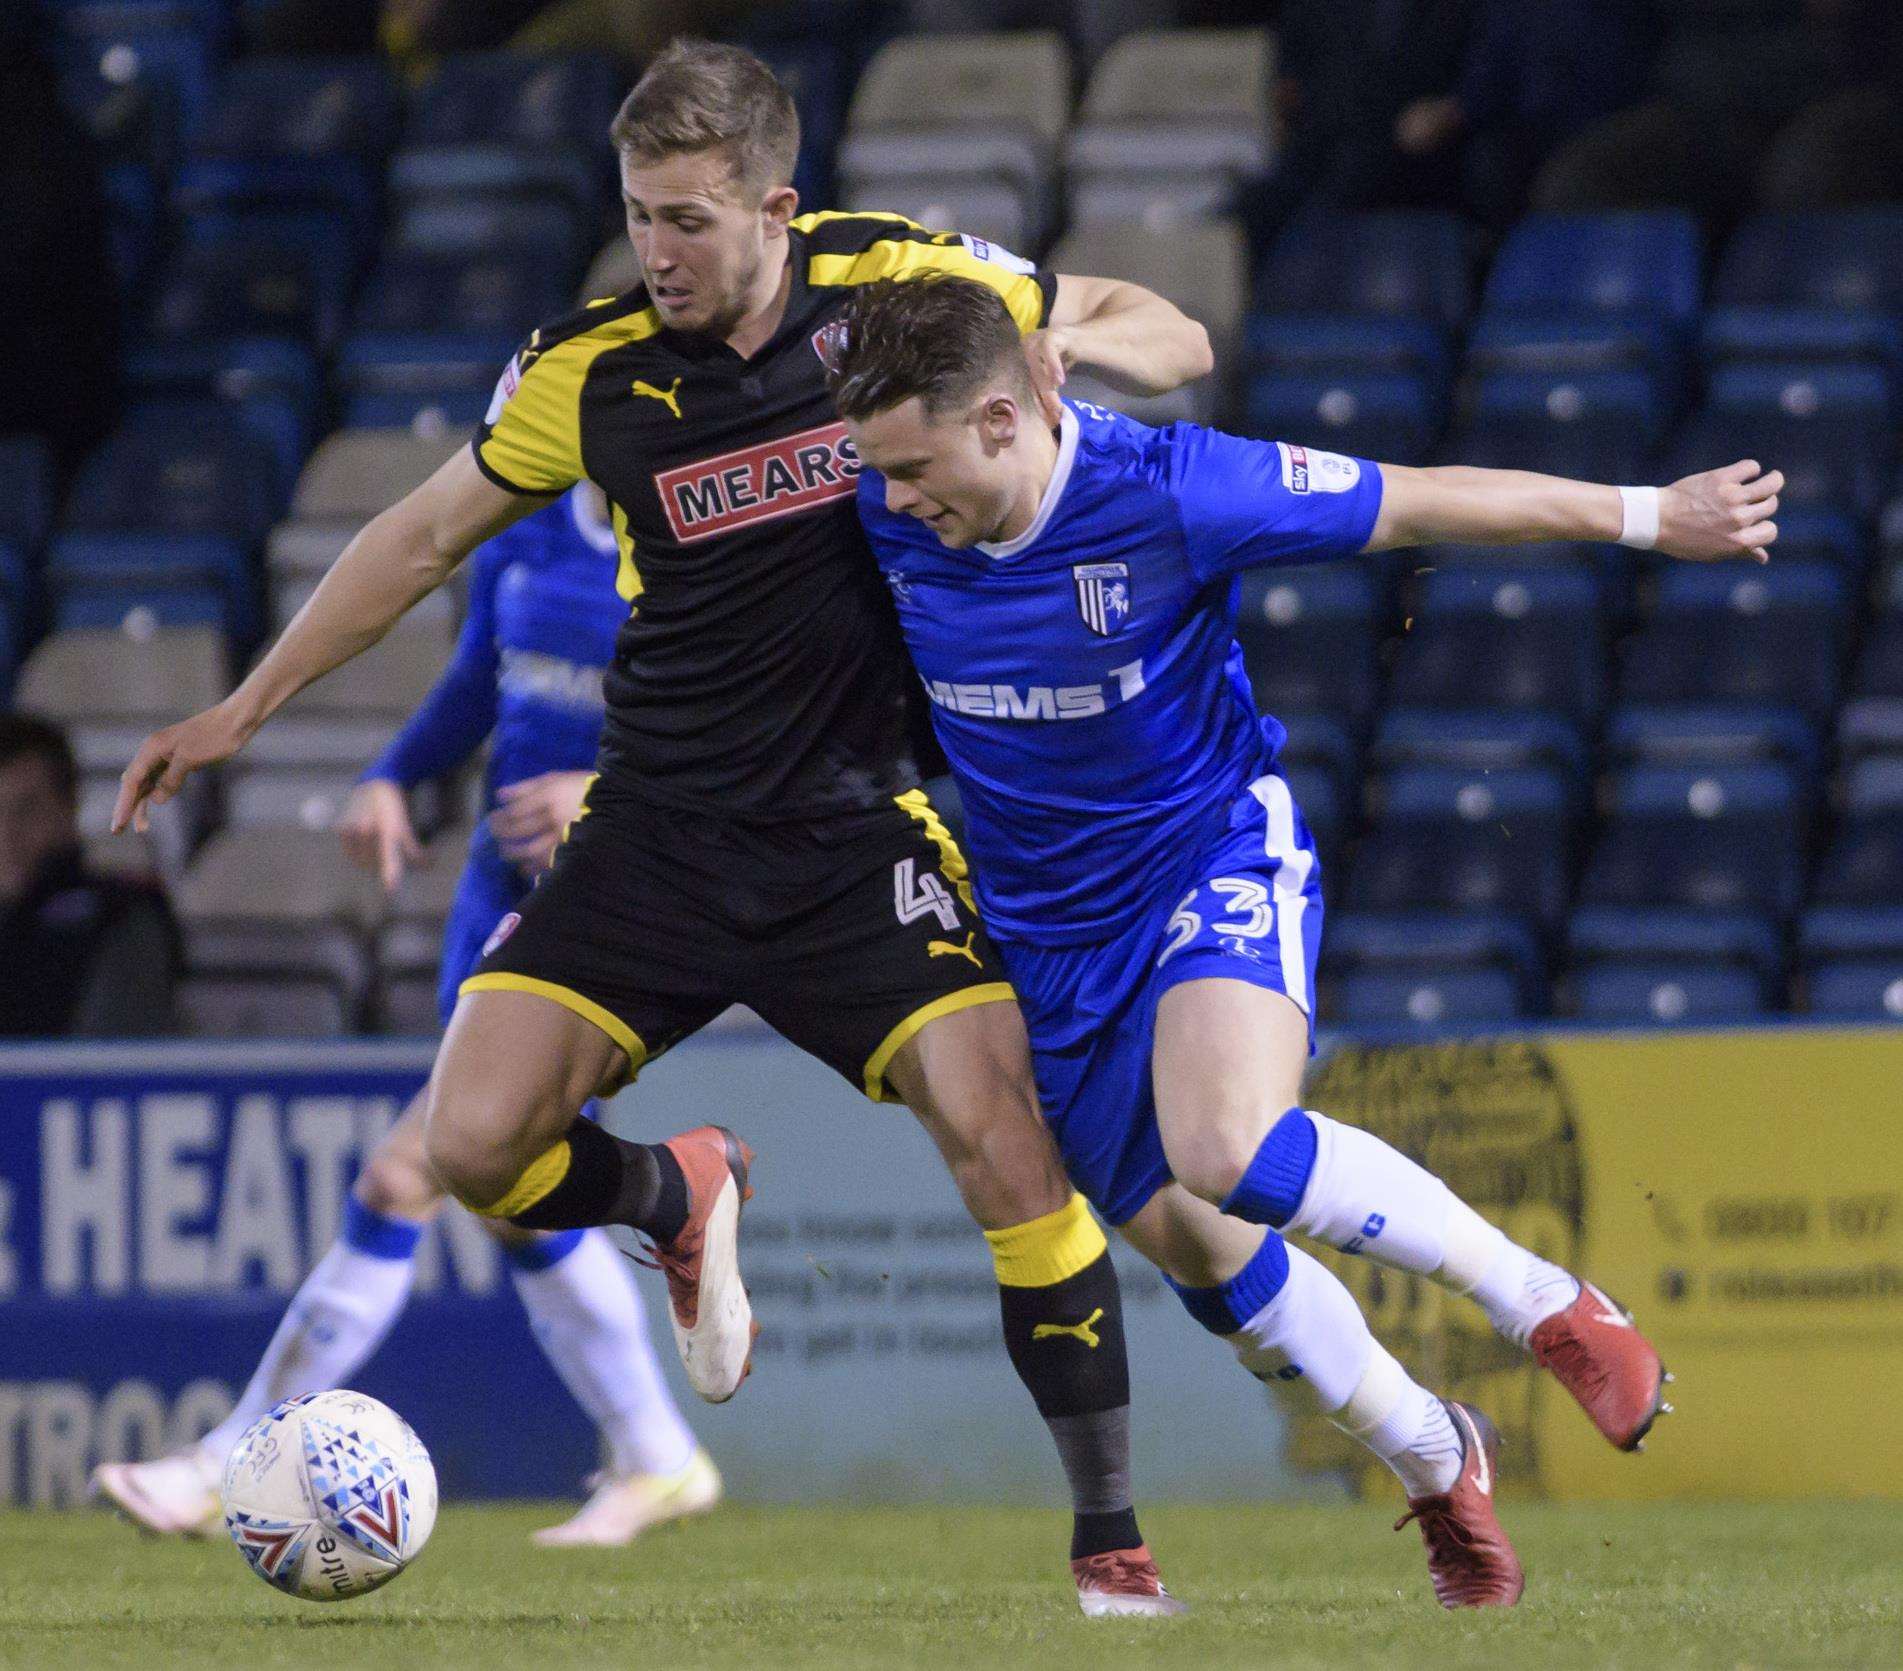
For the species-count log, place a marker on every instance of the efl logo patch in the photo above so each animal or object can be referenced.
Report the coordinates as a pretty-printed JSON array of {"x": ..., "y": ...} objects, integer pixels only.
[
  {"x": 757, "y": 484},
  {"x": 996, "y": 255},
  {"x": 1103, "y": 596},
  {"x": 501, "y": 932}
]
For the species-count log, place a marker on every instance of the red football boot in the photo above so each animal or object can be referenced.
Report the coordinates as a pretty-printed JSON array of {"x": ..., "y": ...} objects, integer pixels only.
[
  {"x": 1595, "y": 1353},
  {"x": 1468, "y": 1556},
  {"x": 707, "y": 1302},
  {"x": 1123, "y": 1584}
]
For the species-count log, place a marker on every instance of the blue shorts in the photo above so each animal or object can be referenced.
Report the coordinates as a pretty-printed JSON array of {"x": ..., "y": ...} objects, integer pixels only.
[
  {"x": 491, "y": 887},
  {"x": 1255, "y": 914}
]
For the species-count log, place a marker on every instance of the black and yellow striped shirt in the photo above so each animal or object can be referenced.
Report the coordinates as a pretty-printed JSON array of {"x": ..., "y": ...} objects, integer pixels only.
[{"x": 760, "y": 673}]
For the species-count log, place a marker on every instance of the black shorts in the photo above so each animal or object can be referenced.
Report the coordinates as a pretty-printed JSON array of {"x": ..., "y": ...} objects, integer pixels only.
[{"x": 845, "y": 934}]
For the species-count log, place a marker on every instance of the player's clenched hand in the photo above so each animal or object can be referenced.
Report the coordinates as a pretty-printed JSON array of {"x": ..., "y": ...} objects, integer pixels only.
[
  {"x": 1721, "y": 513},
  {"x": 377, "y": 833},
  {"x": 167, "y": 758},
  {"x": 528, "y": 825},
  {"x": 1047, "y": 353}
]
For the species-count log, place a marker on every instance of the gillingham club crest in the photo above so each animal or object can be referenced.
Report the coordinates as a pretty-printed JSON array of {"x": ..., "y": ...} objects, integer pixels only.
[{"x": 1103, "y": 596}]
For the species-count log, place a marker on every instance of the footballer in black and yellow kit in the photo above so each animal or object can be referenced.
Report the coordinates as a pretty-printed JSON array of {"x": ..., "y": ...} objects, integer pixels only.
[{"x": 758, "y": 833}]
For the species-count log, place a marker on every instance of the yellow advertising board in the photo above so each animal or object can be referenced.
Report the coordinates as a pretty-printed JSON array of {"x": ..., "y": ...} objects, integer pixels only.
[{"x": 1741, "y": 1192}]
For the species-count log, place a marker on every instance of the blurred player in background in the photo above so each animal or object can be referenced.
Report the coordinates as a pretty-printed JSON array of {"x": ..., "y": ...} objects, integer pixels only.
[
  {"x": 1066, "y": 582},
  {"x": 526, "y": 676},
  {"x": 759, "y": 832}
]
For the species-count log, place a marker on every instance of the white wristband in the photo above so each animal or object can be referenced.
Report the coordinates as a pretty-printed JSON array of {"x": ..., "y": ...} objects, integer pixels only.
[{"x": 1639, "y": 517}]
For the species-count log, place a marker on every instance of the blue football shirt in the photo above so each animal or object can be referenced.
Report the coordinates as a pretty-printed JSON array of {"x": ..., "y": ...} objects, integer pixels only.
[{"x": 1084, "y": 677}]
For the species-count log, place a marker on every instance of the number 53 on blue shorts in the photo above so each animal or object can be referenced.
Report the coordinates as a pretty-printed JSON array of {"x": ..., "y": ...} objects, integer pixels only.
[{"x": 1255, "y": 915}]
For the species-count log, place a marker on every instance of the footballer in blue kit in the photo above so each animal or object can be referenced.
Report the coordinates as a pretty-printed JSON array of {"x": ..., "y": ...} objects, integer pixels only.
[
  {"x": 526, "y": 677},
  {"x": 1066, "y": 582}
]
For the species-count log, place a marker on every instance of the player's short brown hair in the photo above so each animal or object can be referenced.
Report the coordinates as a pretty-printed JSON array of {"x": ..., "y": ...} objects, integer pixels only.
[
  {"x": 699, "y": 95},
  {"x": 939, "y": 338}
]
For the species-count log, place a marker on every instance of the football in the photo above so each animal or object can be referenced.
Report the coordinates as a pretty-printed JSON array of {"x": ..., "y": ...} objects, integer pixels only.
[{"x": 330, "y": 1495}]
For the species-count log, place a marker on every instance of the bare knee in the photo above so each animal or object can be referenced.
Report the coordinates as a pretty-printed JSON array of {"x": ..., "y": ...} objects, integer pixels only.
[
  {"x": 1210, "y": 1157},
  {"x": 1008, "y": 1172},
  {"x": 396, "y": 1182},
  {"x": 478, "y": 1148}
]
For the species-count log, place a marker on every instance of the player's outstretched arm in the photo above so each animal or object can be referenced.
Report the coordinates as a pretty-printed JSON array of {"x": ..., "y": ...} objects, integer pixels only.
[
  {"x": 1716, "y": 514},
  {"x": 397, "y": 558},
  {"x": 1129, "y": 337}
]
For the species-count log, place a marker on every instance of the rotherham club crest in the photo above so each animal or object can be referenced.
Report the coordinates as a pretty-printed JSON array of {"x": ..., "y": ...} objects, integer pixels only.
[{"x": 1103, "y": 596}]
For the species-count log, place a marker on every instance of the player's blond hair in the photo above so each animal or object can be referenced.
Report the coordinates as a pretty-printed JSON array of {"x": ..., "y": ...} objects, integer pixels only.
[{"x": 702, "y": 96}]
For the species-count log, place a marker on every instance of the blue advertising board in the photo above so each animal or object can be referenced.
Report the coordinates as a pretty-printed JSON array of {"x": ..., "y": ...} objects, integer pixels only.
[{"x": 159, "y": 1203}]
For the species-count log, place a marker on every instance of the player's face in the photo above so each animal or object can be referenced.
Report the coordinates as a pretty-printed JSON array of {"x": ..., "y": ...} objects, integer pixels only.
[
  {"x": 957, "y": 473},
  {"x": 708, "y": 246}
]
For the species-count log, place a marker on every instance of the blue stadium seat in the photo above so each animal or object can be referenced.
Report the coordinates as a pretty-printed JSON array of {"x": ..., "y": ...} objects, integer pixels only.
[
  {"x": 177, "y": 468},
  {"x": 1322, "y": 344},
  {"x": 503, "y": 173},
  {"x": 165, "y": 55},
  {"x": 26, "y": 489},
  {"x": 1730, "y": 334},
  {"x": 1828, "y": 459},
  {"x": 1871, "y": 724},
  {"x": 428, "y": 411},
  {"x": 1838, "y": 260},
  {"x": 437, "y": 363},
  {"x": 415, "y": 293},
  {"x": 1324, "y": 804},
  {"x": 1386, "y": 416},
  {"x": 1879, "y": 669},
  {"x": 139, "y": 606},
  {"x": 1817, "y": 534},
  {"x": 1587, "y": 446},
  {"x": 263, "y": 275},
  {"x": 1503, "y": 638},
  {"x": 1449, "y": 840},
  {"x": 1717, "y": 838},
  {"x": 1803, "y": 389},
  {"x": 1425, "y": 1000},
  {"x": 504, "y": 98},
  {"x": 132, "y": 204},
  {"x": 1480, "y": 740},
  {"x": 1667, "y": 994},
  {"x": 296, "y": 131},
  {"x": 16, "y": 616},
  {"x": 271, "y": 386},
  {"x": 1410, "y": 264},
  {"x": 1712, "y": 734},
  {"x": 1741, "y": 633},
  {"x": 1323, "y": 742},
  {"x": 1627, "y": 264},
  {"x": 1863, "y": 863},
  {"x": 1827, "y": 932},
  {"x": 1856, "y": 989},
  {"x": 1518, "y": 399},
  {"x": 1441, "y": 940},
  {"x": 1574, "y": 345},
  {"x": 1613, "y": 933},
  {"x": 1309, "y": 636},
  {"x": 491, "y": 227},
  {"x": 181, "y": 579}
]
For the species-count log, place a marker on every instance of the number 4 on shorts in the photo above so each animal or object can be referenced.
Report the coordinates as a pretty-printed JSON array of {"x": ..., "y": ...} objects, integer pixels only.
[{"x": 915, "y": 896}]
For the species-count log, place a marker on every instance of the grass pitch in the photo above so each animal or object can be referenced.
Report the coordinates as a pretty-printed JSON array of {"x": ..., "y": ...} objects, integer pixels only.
[{"x": 1705, "y": 1585}]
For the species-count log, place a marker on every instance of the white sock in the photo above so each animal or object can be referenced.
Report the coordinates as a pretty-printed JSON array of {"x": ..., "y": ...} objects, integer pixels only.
[
  {"x": 1312, "y": 1341},
  {"x": 1364, "y": 1196},
  {"x": 335, "y": 1320},
  {"x": 1405, "y": 1425},
  {"x": 588, "y": 1318}
]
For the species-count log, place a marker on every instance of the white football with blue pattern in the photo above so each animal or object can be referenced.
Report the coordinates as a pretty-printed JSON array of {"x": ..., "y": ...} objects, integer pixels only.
[{"x": 330, "y": 1495}]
